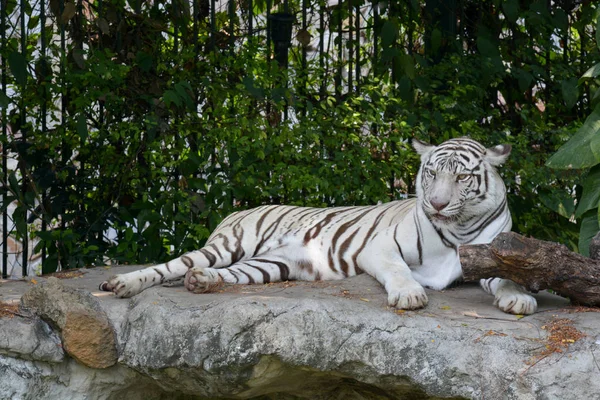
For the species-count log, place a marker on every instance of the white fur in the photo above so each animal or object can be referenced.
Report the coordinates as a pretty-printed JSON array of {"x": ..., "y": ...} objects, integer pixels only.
[{"x": 405, "y": 245}]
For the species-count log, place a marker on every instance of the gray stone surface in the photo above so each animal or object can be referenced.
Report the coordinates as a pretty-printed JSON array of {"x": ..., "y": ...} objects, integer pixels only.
[
  {"x": 315, "y": 340},
  {"x": 85, "y": 330},
  {"x": 29, "y": 339}
]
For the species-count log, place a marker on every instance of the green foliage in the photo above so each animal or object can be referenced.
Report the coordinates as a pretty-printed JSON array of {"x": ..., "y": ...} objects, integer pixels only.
[
  {"x": 165, "y": 125},
  {"x": 582, "y": 152}
]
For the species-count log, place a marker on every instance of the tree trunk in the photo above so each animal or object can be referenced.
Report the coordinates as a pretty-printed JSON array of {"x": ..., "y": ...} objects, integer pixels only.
[{"x": 536, "y": 265}]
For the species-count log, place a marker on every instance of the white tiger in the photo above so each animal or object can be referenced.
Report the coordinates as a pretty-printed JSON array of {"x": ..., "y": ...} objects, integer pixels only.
[{"x": 404, "y": 244}]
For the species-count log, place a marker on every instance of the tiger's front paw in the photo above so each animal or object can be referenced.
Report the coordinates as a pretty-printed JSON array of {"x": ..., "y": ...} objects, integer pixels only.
[
  {"x": 125, "y": 285},
  {"x": 202, "y": 280},
  {"x": 410, "y": 298},
  {"x": 516, "y": 303}
]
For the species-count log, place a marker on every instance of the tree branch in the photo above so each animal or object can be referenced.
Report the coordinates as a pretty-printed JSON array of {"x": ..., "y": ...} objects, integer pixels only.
[{"x": 536, "y": 265}]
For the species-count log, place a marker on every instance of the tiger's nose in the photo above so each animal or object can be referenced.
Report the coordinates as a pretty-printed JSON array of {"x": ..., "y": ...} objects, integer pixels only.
[{"x": 439, "y": 205}]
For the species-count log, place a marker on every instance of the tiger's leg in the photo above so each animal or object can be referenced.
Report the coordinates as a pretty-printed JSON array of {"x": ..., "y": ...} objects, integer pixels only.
[
  {"x": 263, "y": 269},
  {"x": 387, "y": 267},
  {"x": 509, "y": 297},
  {"x": 130, "y": 284}
]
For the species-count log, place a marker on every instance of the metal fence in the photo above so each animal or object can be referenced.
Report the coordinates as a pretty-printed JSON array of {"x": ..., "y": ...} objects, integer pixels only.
[
  {"x": 41, "y": 40},
  {"x": 329, "y": 48}
]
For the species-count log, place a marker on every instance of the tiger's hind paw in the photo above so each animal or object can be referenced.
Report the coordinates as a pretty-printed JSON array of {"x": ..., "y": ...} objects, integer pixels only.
[
  {"x": 202, "y": 280},
  {"x": 516, "y": 303}
]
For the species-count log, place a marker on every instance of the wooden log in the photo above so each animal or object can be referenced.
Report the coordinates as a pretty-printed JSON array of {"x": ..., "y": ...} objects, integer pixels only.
[{"x": 536, "y": 265}]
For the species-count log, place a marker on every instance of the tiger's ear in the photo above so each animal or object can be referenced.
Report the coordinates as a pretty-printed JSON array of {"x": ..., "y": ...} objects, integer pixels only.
[
  {"x": 421, "y": 147},
  {"x": 497, "y": 155}
]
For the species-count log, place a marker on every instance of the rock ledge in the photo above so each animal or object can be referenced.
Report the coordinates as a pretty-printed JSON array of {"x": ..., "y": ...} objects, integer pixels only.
[{"x": 319, "y": 340}]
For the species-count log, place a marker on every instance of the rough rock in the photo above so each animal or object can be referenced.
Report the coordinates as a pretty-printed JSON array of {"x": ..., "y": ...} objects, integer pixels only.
[
  {"x": 86, "y": 332},
  {"x": 25, "y": 379},
  {"x": 30, "y": 339},
  {"x": 323, "y": 340},
  {"x": 89, "y": 339}
]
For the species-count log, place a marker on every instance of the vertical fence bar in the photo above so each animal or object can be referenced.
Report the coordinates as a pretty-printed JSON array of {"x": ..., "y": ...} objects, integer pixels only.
[
  {"x": 304, "y": 63},
  {"x": 195, "y": 28},
  {"x": 411, "y": 29},
  {"x": 4, "y": 144},
  {"x": 286, "y": 9},
  {"x": 43, "y": 109},
  {"x": 322, "y": 50},
  {"x": 375, "y": 5},
  {"x": 340, "y": 57},
  {"x": 177, "y": 17},
  {"x": 231, "y": 12},
  {"x": 357, "y": 20},
  {"x": 213, "y": 25},
  {"x": 22, "y": 110},
  {"x": 350, "y": 45},
  {"x": 250, "y": 18},
  {"x": 100, "y": 44},
  {"x": 268, "y": 30},
  {"x": 63, "y": 120},
  {"x": 393, "y": 12},
  {"x": 268, "y": 55},
  {"x": 79, "y": 184},
  {"x": 175, "y": 27}
]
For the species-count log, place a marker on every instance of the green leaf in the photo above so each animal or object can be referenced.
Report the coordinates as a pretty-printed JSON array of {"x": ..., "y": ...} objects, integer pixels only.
[
  {"x": 69, "y": 12},
  {"x": 389, "y": 54},
  {"x": 405, "y": 88},
  {"x": 18, "y": 67},
  {"x": 33, "y": 22},
  {"x": 44, "y": 235},
  {"x": 583, "y": 149},
  {"x": 486, "y": 44},
  {"x": 591, "y": 192},
  {"x": 180, "y": 88},
  {"x": 81, "y": 126},
  {"x": 144, "y": 61},
  {"x": 4, "y": 100},
  {"x": 171, "y": 97},
  {"x": 50, "y": 264},
  {"x": 524, "y": 79},
  {"x": 13, "y": 184},
  {"x": 558, "y": 201},
  {"x": 561, "y": 20},
  {"x": 511, "y": 10},
  {"x": 79, "y": 57},
  {"x": 436, "y": 40},
  {"x": 252, "y": 88},
  {"x": 20, "y": 220},
  {"x": 389, "y": 32},
  {"x": 589, "y": 228},
  {"x": 128, "y": 234},
  {"x": 570, "y": 92},
  {"x": 103, "y": 25},
  {"x": 592, "y": 72},
  {"x": 598, "y": 31},
  {"x": 408, "y": 64},
  {"x": 6, "y": 202},
  {"x": 595, "y": 97}
]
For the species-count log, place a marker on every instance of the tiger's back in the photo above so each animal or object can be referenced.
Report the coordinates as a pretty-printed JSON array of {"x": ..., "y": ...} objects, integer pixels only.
[{"x": 312, "y": 243}]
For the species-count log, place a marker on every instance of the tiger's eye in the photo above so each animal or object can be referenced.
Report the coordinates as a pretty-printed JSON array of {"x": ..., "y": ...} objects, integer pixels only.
[
  {"x": 463, "y": 177},
  {"x": 430, "y": 172}
]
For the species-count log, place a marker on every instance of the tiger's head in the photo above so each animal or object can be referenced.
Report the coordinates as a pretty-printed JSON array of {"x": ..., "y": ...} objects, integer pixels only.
[{"x": 458, "y": 181}]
